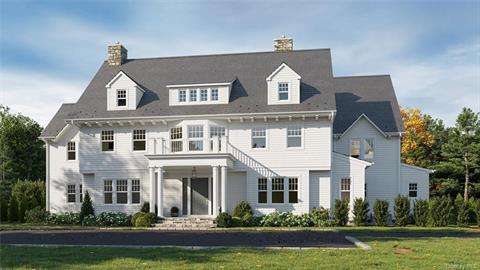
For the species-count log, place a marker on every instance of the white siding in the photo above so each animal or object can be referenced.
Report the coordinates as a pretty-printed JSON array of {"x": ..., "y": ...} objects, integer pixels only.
[
  {"x": 382, "y": 177},
  {"x": 134, "y": 94},
  {"x": 320, "y": 189},
  {"x": 285, "y": 74},
  {"x": 415, "y": 175},
  {"x": 236, "y": 189}
]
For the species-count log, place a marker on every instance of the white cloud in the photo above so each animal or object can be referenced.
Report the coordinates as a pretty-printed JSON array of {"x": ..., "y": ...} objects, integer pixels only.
[{"x": 36, "y": 95}]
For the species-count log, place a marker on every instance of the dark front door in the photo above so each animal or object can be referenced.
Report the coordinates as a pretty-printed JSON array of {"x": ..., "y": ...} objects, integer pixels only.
[{"x": 199, "y": 196}]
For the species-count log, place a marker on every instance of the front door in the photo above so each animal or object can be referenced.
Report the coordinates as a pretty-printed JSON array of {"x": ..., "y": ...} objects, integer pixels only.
[{"x": 199, "y": 196}]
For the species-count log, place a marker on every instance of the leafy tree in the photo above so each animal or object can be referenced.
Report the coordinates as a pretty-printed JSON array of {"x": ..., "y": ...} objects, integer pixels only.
[
  {"x": 462, "y": 150},
  {"x": 22, "y": 154},
  {"x": 417, "y": 139},
  {"x": 87, "y": 207},
  {"x": 29, "y": 194},
  {"x": 12, "y": 209}
]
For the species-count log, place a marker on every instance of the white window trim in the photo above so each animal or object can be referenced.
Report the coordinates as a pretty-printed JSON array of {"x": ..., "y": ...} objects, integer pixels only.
[
  {"x": 66, "y": 193},
  {"x": 76, "y": 151},
  {"x": 289, "y": 92},
  {"x": 126, "y": 98},
  {"x": 178, "y": 96},
  {"x": 113, "y": 191},
  {"x": 196, "y": 139},
  {"x": 210, "y": 95},
  {"x": 287, "y": 196},
  {"x": 302, "y": 129},
  {"x": 130, "y": 183},
  {"x": 285, "y": 185},
  {"x": 340, "y": 187},
  {"x": 266, "y": 138},
  {"x": 132, "y": 140},
  {"x": 416, "y": 183},
  {"x": 114, "y": 142},
  {"x": 266, "y": 190}
]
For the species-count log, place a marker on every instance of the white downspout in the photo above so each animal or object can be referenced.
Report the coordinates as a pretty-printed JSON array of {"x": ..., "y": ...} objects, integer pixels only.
[{"x": 47, "y": 176}]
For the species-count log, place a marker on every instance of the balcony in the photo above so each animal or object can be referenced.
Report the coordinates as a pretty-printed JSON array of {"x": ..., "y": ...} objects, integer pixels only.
[{"x": 162, "y": 146}]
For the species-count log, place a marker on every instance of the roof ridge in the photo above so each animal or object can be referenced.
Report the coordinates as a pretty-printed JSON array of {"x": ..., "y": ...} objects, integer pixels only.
[
  {"x": 224, "y": 54},
  {"x": 361, "y": 76}
]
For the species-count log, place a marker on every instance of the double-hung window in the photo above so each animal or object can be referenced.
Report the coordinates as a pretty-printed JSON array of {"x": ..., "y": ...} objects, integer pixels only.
[
  {"x": 122, "y": 191},
  {"x": 182, "y": 95},
  {"x": 176, "y": 142},
  {"x": 139, "y": 140},
  {"x": 216, "y": 131},
  {"x": 107, "y": 140},
  {"x": 262, "y": 190},
  {"x": 293, "y": 190},
  {"x": 135, "y": 190},
  {"x": 203, "y": 94},
  {"x": 345, "y": 188},
  {"x": 71, "y": 151},
  {"x": 195, "y": 138},
  {"x": 121, "y": 98},
  {"x": 71, "y": 193},
  {"x": 412, "y": 190},
  {"x": 193, "y": 95},
  {"x": 259, "y": 137},
  {"x": 294, "y": 137},
  {"x": 277, "y": 190},
  {"x": 355, "y": 148},
  {"x": 107, "y": 191},
  {"x": 282, "y": 91},
  {"x": 214, "y": 94}
]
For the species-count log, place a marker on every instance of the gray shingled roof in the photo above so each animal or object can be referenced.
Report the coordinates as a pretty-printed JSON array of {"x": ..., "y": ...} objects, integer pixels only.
[
  {"x": 370, "y": 95},
  {"x": 249, "y": 91}
]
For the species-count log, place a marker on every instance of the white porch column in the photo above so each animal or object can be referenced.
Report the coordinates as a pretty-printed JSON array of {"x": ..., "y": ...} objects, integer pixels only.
[
  {"x": 215, "y": 190},
  {"x": 223, "y": 171},
  {"x": 151, "y": 171},
  {"x": 160, "y": 191}
]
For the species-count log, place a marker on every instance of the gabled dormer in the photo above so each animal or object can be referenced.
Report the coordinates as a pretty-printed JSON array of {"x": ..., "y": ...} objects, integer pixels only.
[
  {"x": 123, "y": 93},
  {"x": 283, "y": 86}
]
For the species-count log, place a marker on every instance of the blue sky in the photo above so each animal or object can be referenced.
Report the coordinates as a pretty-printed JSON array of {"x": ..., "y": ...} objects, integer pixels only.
[{"x": 50, "y": 50}]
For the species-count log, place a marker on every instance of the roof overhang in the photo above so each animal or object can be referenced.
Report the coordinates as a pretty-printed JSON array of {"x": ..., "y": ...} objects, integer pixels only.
[
  {"x": 202, "y": 159},
  {"x": 119, "y": 74},
  {"x": 282, "y": 66},
  {"x": 385, "y": 134},
  {"x": 352, "y": 159},
  {"x": 418, "y": 168},
  {"x": 196, "y": 85}
]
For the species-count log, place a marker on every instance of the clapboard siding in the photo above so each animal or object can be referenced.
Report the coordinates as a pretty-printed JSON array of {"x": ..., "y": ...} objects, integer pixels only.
[{"x": 418, "y": 176}]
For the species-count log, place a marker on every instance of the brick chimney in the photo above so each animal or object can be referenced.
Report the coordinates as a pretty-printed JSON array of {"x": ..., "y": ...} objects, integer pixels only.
[
  {"x": 117, "y": 54},
  {"x": 283, "y": 44}
]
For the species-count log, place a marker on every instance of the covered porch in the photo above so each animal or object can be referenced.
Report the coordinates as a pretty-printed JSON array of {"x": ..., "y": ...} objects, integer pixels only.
[{"x": 196, "y": 184}]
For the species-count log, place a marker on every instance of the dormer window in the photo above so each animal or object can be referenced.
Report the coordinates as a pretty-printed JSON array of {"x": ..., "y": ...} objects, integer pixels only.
[
  {"x": 214, "y": 94},
  {"x": 121, "y": 98},
  {"x": 282, "y": 91},
  {"x": 193, "y": 95},
  {"x": 182, "y": 96},
  {"x": 203, "y": 94}
]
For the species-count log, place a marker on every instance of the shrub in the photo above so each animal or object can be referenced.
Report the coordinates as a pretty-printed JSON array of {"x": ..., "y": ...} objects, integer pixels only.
[
  {"x": 471, "y": 211},
  {"x": 477, "y": 211},
  {"x": 145, "y": 208},
  {"x": 462, "y": 210},
  {"x": 420, "y": 212},
  {"x": 12, "y": 209},
  {"x": 320, "y": 216},
  {"x": 145, "y": 220},
  {"x": 224, "y": 220},
  {"x": 380, "y": 212},
  {"x": 274, "y": 219},
  {"x": 360, "y": 212},
  {"x": 402, "y": 210},
  {"x": 256, "y": 221},
  {"x": 22, "y": 208},
  {"x": 29, "y": 194},
  {"x": 113, "y": 219},
  {"x": 68, "y": 218},
  {"x": 89, "y": 220},
  {"x": 247, "y": 220},
  {"x": 440, "y": 211},
  {"x": 36, "y": 215},
  {"x": 3, "y": 210},
  {"x": 87, "y": 207},
  {"x": 241, "y": 209},
  {"x": 174, "y": 211},
  {"x": 236, "y": 222},
  {"x": 135, "y": 216},
  {"x": 341, "y": 212}
]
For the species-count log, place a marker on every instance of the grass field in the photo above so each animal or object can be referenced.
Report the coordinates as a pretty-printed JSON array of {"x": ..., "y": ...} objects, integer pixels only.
[{"x": 386, "y": 253}]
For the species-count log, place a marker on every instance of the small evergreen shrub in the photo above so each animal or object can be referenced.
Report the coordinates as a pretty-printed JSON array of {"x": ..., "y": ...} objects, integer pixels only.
[
  {"x": 241, "y": 209},
  {"x": 462, "y": 210},
  {"x": 89, "y": 220},
  {"x": 145, "y": 207},
  {"x": 12, "y": 209},
  {"x": 22, "y": 208},
  {"x": 320, "y": 217},
  {"x": 341, "y": 212},
  {"x": 273, "y": 219},
  {"x": 113, "y": 219},
  {"x": 440, "y": 211},
  {"x": 135, "y": 216},
  {"x": 145, "y": 220},
  {"x": 87, "y": 207},
  {"x": 247, "y": 220},
  {"x": 380, "y": 212},
  {"x": 402, "y": 210},
  {"x": 420, "y": 212},
  {"x": 68, "y": 218},
  {"x": 472, "y": 215},
  {"x": 36, "y": 215},
  {"x": 236, "y": 222},
  {"x": 360, "y": 212},
  {"x": 224, "y": 220},
  {"x": 477, "y": 211},
  {"x": 256, "y": 221}
]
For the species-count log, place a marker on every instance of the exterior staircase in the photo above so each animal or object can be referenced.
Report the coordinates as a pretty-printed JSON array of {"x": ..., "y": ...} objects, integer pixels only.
[{"x": 186, "y": 223}]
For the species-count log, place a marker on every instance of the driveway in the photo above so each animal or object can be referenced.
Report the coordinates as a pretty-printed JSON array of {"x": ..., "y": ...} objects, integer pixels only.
[{"x": 257, "y": 239}]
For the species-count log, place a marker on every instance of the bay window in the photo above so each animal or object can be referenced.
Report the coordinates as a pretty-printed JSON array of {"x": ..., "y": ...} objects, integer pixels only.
[{"x": 195, "y": 138}]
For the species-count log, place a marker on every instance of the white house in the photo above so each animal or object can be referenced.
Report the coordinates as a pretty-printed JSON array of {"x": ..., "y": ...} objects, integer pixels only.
[{"x": 202, "y": 133}]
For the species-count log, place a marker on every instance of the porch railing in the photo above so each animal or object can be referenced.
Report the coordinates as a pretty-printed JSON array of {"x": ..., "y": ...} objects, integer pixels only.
[{"x": 162, "y": 146}]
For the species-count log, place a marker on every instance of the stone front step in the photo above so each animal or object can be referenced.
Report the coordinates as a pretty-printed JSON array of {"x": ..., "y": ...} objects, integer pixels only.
[{"x": 186, "y": 223}]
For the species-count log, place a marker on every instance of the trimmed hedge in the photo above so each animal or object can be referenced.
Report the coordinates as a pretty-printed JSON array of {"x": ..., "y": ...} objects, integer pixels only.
[
  {"x": 341, "y": 212},
  {"x": 420, "y": 213},
  {"x": 360, "y": 212},
  {"x": 440, "y": 211},
  {"x": 36, "y": 215},
  {"x": 380, "y": 212},
  {"x": 224, "y": 220},
  {"x": 402, "y": 210},
  {"x": 242, "y": 209},
  {"x": 142, "y": 219}
]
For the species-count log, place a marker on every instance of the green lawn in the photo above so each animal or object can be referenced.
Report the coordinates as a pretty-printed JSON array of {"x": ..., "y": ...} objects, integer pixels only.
[{"x": 387, "y": 253}]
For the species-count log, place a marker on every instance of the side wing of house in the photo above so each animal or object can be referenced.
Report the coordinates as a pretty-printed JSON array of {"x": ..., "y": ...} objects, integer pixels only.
[{"x": 415, "y": 182}]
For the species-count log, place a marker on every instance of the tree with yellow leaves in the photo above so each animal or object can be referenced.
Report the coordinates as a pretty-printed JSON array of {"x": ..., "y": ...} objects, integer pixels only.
[{"x": 417, "y": 138}]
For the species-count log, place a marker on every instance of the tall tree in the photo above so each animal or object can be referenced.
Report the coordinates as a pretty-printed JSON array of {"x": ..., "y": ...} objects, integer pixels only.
[
  {"x": 462, "y": 150},
  {"x": 418, "y": 139},
  {"x": 22, "y": 154}
]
